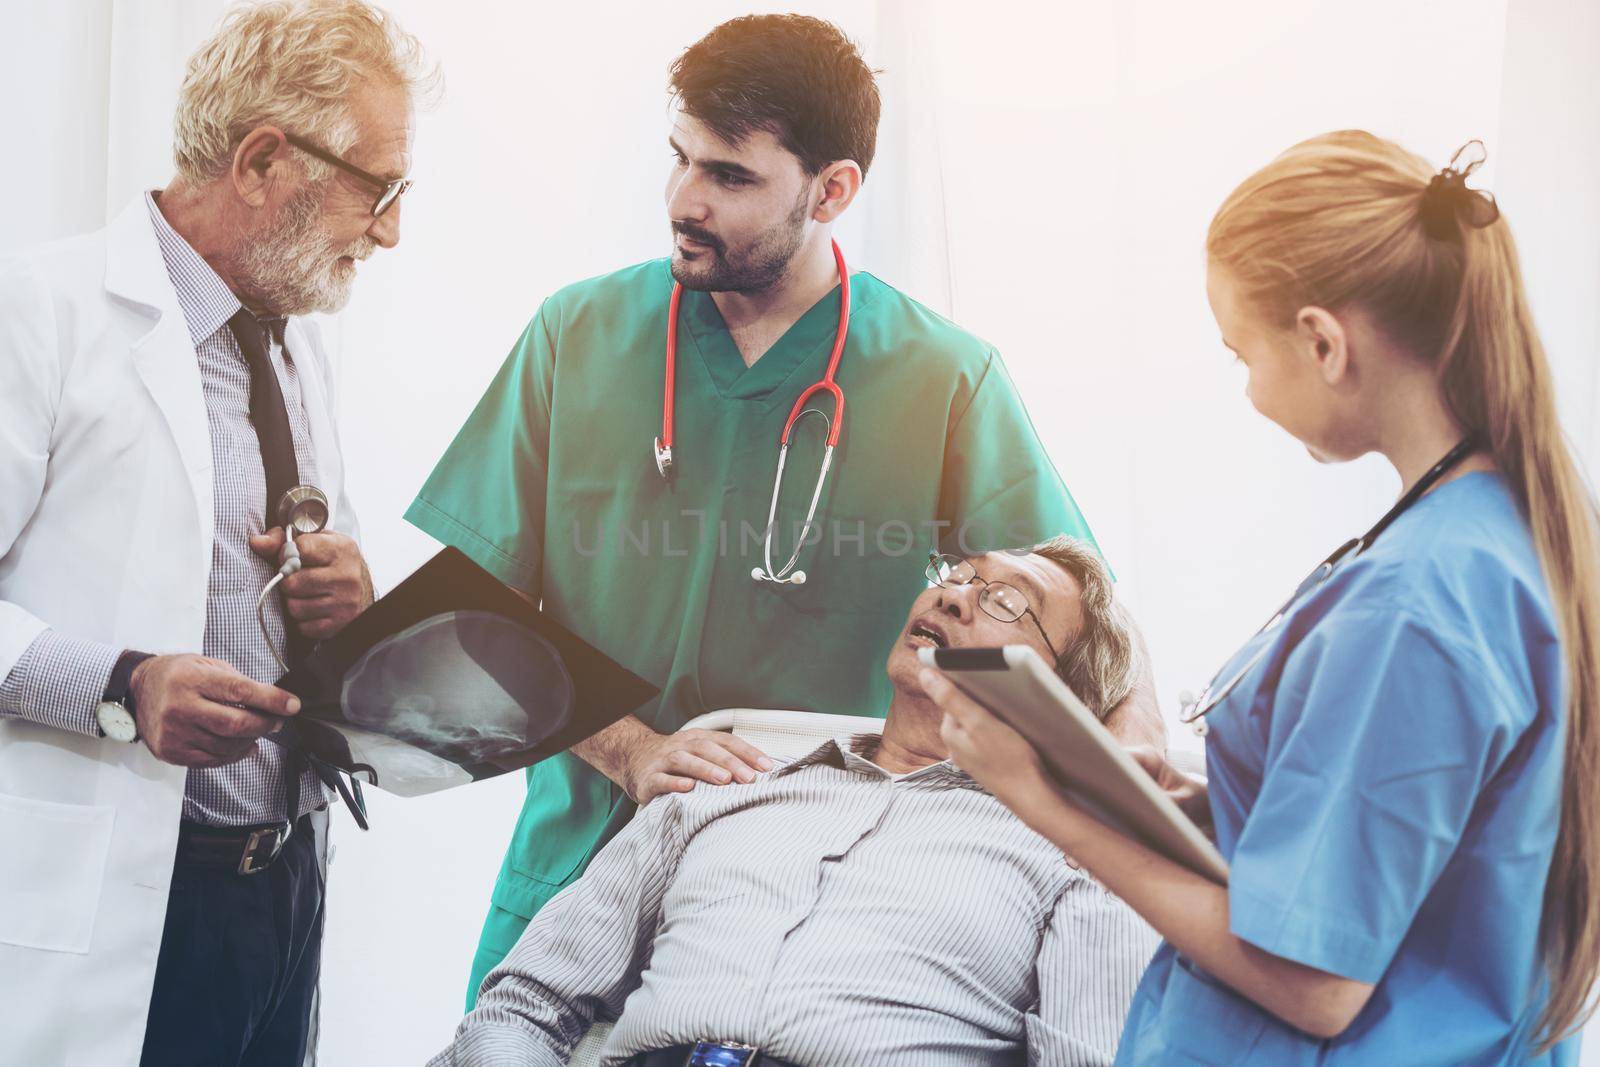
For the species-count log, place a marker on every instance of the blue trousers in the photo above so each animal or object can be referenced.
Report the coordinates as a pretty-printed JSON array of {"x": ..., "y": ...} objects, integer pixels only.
[{"x": 240, "y": 956}]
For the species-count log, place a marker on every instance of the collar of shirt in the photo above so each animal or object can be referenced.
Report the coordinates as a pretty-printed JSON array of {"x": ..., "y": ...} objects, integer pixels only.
[
  {"x": 854, "y": 752},
  {"x": 205, "y": 298}
]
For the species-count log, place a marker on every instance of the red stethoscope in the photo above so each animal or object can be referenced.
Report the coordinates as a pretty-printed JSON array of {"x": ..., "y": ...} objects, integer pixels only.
[{"x": 787, "y": 574}]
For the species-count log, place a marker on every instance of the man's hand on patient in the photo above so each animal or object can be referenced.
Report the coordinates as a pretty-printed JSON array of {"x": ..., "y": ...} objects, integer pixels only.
[
  {"x": 200, "y": 712},
  {"x": 646, "y": 764},
  {"x": 673, "y": 763},
  {"x": 332, "y": 586}
]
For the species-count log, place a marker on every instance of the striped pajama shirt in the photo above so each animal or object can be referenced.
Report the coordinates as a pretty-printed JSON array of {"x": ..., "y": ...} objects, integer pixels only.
[{"x": 834, "y": 915}]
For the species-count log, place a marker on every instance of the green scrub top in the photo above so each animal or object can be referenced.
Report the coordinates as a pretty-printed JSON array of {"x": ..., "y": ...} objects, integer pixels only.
[{"x": 552, "y": 487}]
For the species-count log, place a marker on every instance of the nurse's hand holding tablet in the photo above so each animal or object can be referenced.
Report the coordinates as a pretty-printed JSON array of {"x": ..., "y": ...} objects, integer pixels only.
[
  {"x": 1188, "y": 793},
  {"x": 1396, "y": 760}
]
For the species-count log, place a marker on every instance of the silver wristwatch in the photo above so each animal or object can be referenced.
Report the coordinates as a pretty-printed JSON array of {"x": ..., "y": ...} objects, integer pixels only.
[
  {"x": 116, "y": 721},
  {"x": 115, "y": 712}
]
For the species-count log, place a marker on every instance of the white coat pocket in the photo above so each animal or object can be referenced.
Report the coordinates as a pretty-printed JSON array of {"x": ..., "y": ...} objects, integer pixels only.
[{"x": 55, "y": 861}]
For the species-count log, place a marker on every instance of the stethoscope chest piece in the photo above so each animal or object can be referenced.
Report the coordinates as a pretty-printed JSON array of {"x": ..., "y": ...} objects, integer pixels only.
[
  {"x": 1188, "y": 707},
  {"x": 303, "y": 510}
]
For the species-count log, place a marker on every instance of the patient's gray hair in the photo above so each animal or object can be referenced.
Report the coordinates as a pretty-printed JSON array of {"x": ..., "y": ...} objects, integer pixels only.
[
  {"x": 1102, "y": 661},
  {"x": 291, "y": 65}
]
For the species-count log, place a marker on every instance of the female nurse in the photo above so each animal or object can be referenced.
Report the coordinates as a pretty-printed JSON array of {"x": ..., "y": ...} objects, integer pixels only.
[{"x": 1404, "y": 766}]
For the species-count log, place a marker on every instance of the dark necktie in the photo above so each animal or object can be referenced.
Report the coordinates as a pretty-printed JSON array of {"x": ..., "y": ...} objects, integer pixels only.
[
  {"x": 267, "y": 411},
  {"x": 271, "y": 420}
]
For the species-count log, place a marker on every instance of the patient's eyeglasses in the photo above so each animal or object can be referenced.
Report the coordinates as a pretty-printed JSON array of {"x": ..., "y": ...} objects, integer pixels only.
[
  {"x": 388, "y": 190},
  {"x": 997, "y": 599}
]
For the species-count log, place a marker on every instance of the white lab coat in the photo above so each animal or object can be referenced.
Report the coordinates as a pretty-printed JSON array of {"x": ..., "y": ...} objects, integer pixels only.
[{"x": 105, "y": 533}]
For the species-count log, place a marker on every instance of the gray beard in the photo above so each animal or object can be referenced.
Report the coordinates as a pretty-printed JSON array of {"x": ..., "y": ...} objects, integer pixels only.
[{"x": 291, "y": 266}]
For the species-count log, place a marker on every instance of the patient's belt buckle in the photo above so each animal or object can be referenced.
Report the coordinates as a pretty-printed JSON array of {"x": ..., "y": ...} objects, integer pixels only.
[{"x": 723, "y": 1054}]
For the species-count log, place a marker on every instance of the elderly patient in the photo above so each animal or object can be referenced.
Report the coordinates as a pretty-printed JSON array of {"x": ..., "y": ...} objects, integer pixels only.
[{"x": 868, "y": 903}]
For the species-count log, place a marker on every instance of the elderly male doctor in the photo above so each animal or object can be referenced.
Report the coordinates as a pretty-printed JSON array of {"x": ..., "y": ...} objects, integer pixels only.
[{"x": 161, "y": 883}]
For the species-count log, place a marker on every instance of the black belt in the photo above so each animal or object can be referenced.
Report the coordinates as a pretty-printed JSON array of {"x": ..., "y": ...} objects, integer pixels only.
[
  {"x": 245, "y": 849},
  {"x": 710, "y": 1054}
]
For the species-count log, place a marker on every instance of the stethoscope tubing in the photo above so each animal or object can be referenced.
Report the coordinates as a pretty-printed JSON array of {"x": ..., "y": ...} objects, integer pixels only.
[
  {"x": 1193, "y": 712},
  {"x": 787, "y": 574},
  {"x": 303, "y": 510}
]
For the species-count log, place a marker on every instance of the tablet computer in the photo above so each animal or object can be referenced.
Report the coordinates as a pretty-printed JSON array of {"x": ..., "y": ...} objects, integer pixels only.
[{"x": 1015, "y": 684}]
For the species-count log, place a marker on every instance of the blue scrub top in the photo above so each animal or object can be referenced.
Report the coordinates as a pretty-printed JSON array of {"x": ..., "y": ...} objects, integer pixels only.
[{"x": 1386, "y": 787}]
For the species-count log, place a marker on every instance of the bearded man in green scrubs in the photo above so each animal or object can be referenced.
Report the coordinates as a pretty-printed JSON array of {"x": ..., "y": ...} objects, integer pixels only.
[{"x": 552, "y": 484}]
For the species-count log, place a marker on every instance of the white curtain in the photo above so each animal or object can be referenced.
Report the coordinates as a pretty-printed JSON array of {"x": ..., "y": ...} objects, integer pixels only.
[
  {"x": 1548, "y": 181},
  {"x": 89, "y": 89},
  {"x": 1045, "y": 175},
  {"x": 1081, "y": 150}
]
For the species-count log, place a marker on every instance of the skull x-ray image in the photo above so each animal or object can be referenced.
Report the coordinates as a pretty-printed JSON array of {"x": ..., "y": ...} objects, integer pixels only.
[
  {"x": 452, "y": 678},
  {"x": 467, "y": 683},
  {"x": 456, "y": 690}
]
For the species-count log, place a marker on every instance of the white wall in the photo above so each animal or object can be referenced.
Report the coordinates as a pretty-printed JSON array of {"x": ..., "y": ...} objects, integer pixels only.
[
  {"x": 1046, "y": 175},
  {"x": 1082, "y": 171}
]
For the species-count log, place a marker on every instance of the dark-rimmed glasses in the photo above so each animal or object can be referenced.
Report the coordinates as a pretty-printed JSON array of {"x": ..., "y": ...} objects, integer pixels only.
[
  {"x": 997, "y": 599},
  {"x": 388, "y": 191}
]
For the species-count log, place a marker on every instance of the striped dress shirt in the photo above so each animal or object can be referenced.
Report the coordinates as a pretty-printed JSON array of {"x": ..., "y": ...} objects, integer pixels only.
[
  {"x": 60, "y": 678},
  {"x": 832, "y": 914}
]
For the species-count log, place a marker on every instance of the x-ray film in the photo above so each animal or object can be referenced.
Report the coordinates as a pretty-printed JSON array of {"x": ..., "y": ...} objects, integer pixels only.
[{"x": 452, "y": 678}]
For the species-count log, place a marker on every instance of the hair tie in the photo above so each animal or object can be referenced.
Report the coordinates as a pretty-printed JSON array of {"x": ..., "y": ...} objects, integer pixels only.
[{"x": 1447, "y": 202}]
